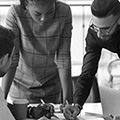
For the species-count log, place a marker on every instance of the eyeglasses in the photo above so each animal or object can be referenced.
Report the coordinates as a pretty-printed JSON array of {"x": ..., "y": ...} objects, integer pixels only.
[{"x": 102, "y": 30}]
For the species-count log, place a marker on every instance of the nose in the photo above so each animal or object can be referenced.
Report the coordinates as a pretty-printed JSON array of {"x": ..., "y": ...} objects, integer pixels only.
[
  {"x": 42, "y": 18},
  {"x": 100, "y": 34}
]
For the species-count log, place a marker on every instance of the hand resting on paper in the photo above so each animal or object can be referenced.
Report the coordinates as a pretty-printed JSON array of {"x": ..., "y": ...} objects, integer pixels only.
[{"x": 70, "y": 111}]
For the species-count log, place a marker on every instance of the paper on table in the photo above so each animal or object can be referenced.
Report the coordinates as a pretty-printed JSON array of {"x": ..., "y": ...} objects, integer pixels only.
[
  {"x": 91, "y": 116},
  {"x": 61, "y": 118}
]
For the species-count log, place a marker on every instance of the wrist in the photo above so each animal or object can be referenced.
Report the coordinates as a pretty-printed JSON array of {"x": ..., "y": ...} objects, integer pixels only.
[
  {"x": 79, "y": 106},
  {"x": 62, "y": 106}
]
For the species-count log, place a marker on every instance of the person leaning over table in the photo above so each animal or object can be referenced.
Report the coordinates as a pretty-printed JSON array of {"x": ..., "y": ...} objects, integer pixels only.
[
  {"x": 6, "y": 54},
  {"x": 43, "y": 30},
  {"x": 103, "y": 32}
]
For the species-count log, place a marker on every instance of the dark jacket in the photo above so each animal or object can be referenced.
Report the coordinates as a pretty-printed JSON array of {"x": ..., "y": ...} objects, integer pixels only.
[{"x": 91, "y": 59}]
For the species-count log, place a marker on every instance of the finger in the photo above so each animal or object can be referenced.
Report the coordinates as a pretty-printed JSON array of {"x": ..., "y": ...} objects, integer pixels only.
[
  {"x": 76, "y": 112},
  {"x": 67, "y": 111},
  {"x": 67, "y": 116},
  {"x": 46, "y": 107},
  {"x": 48, "y": 115}
]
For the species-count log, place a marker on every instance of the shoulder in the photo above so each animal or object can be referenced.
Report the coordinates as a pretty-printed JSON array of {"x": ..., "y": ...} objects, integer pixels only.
[
  {"x": 62, "y": 7},
  {"x": 62, "y": 4},
  {"x": 16, "y": 8},
  {"x": 92, "y": 38},
  {"x": 91, "y": 34}
]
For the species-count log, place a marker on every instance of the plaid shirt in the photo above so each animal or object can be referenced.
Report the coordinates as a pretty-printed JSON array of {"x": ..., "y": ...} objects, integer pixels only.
[{"x": 40, "y": 50}]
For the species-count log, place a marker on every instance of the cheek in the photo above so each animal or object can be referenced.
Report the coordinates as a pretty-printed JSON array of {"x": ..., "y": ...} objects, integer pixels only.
[
  {"x": 32, "y": 14},
  {"x": 35, "y": 18},
  {"x": 114, "y": 29}
]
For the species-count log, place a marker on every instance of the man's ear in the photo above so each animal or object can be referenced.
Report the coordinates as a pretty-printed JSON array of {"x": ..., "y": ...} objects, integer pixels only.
[{"x": 4, "y": 60}]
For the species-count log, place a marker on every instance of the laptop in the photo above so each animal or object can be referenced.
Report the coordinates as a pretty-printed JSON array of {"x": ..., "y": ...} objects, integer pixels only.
[{"x": 110, "y": 101}]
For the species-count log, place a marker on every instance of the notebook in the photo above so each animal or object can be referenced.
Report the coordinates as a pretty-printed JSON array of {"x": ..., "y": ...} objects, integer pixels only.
[{"x": 110, "y": 101}]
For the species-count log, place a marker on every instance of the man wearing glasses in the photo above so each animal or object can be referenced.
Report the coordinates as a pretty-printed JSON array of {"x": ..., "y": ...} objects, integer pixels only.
[{"x": 104, "y": 32}]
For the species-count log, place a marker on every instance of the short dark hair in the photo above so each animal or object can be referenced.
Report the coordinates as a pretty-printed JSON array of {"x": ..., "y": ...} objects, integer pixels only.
[
  {"x": 104, "y": 8},
  {"x": 24, "y": 2},
  {"x": 6, "y": 44}
]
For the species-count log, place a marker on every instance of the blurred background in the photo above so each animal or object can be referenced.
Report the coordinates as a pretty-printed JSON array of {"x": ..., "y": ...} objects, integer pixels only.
[{"x": 81, "y": 18}]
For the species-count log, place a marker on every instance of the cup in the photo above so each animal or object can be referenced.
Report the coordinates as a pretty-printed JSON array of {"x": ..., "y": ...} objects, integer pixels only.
[{"x": 20, "y": 108}]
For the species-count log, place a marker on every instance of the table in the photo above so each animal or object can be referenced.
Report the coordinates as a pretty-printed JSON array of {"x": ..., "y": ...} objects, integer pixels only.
[{"x": 90, "y": 111}]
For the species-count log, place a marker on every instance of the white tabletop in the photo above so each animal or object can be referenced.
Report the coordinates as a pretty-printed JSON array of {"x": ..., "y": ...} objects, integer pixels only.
[
  {"x": 90, "y": 111},
  {"x": 93, "y": 107}
]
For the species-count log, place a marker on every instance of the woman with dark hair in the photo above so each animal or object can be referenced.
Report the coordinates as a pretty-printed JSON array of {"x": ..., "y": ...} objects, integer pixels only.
[{"x": 42, "y": 65}]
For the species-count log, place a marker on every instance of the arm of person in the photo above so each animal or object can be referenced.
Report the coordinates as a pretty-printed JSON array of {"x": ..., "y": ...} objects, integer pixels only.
[
  {"x": 85, "y": 80},
  {"x": 7, "y": 81},
  {"x": 64, "y": 56},
  {"x": 89, "y": 69},
  {"x": 66, "y": 82}
]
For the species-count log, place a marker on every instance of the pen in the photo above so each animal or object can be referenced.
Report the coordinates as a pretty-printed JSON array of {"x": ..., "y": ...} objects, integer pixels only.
[
  {"x": 67, "y": 102},
  {"x": 71, "y": 115},
  {"x": 42, "y": 101}
]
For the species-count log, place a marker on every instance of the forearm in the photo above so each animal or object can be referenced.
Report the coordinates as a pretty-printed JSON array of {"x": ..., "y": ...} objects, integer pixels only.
[
  {"x": 66, "y": 82},
  {"x": 7, "y": 81},
  {"x": 83, "y": 87}
]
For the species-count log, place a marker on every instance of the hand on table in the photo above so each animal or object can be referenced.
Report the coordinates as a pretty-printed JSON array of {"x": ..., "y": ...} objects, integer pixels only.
[
  {"x": 70, "y": 111},
  {"x": 41, "y": 110}
]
